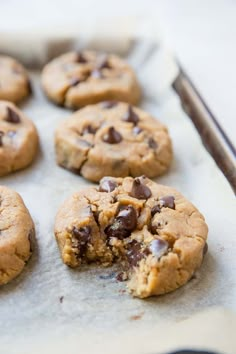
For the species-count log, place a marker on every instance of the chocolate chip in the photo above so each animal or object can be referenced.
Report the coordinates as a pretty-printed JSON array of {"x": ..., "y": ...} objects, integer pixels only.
[
  {"x": 167, "y": 202},
  {"x": 155, "y": 209},
  {"x": 12, "y": 116},
  {"x": 83, "y": 235},
  {"x": 124, "y": 223},
  {"x": 109, "y": 104},
  {"x": 134, "y": 254},
  {"x": 140, "y": 190},
  {"x": 112, "y": 136},
  {"x": 205, "y": 249},
  {"x": 131, "y": 116},
  {"x": 107, "y": 185},
  {"x": 1, "y": 135},
  {"x": 31, "y": 238},
  {"x": 158, "y": 247},
  {"x": 129, "y": 217},
  {"x": 74, "y": 81},
  {"x": 152, "y": 143},
  {"x": 102, "y": 62},
  {"x": 137, "y": 130},
  {"x": 97, "y": 74},
  {"x": 89, "y": 130},
  {"x": 80, "y": 58}
]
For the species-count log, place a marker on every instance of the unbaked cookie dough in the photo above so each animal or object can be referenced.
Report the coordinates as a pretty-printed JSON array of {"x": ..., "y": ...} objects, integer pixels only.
[
  {"x": 157, "y": 236},
  {"x": 14, "y": 80},
  {"x": 78, "y": 79},
  {"x": 16, "y": 234},
  {"x": 113, "y": 139},
  {"x": 18, "y": 139}
]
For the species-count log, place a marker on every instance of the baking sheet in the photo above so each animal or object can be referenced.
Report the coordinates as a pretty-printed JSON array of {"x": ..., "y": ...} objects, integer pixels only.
[{"x": 51, "y": 308}]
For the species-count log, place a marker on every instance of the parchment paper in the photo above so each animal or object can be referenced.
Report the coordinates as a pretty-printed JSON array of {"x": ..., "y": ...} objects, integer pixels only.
[{"x": 50, "y": 308}]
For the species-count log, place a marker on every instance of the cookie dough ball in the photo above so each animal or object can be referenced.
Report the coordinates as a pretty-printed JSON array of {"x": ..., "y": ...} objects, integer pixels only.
[
  {"x": 16, "y": 234},
  {"x": 155, "y": 234},
  {"x": 18, "y": 139},
  {"x": 79, "y": 79},
  {"x": 14, "y": 80},
  {"x": 113, "y": 139}
]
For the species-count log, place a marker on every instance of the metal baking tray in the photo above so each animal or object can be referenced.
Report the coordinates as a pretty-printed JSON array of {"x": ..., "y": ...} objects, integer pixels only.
[{"x": 51, "y": 308}]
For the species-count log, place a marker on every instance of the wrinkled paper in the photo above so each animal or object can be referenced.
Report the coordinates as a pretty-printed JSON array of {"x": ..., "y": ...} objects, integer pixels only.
[{"x": 51, "y": 308}]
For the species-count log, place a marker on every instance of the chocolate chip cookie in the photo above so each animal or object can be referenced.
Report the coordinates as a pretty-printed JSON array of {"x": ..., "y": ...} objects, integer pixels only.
[
  {"x": 156, "y": 235},
  {"x": 14, "y": 81},
  {"x": 16, "y": 234},
  {"x": 79, "y": 79},
  {"x": 18, "y": 139},
  {"x": 113, "y": 139}
]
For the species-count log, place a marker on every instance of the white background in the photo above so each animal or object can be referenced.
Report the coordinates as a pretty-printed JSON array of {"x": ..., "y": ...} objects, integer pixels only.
[{"x": 201, "y": 32}]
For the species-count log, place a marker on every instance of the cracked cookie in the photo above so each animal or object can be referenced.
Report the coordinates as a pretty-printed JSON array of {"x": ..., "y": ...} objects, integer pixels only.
[
  {"x": 14, "y": 80},
  {"x": 18, "y": 139},
  {"x": 113, "y": 139},
  {"x": 152, "y": 231},
  {"x": 16, "y": 234},
  {"x": 79, "y": 79}
]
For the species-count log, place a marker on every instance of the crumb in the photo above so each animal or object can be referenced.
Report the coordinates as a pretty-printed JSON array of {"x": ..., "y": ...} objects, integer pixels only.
[
  {"x": 136, "y": 317},
  {"x": 61, "y": 298},
  {"x": 122, "y": 276}
]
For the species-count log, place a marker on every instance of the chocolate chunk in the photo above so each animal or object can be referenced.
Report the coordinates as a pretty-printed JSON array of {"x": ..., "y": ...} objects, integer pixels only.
[
  {"x": 155, "y": 209},
  {"x": 107, "y": 185},
  {"x": 124, "y": 223},
  {"x": 83, "y": 235},
  {"x": 137, "y": 130},
  {"x": 97, "y": 74},
  {"x": 112, "y": 136},
  {"x": 140, "y": 190},
  {"x": 167, "y": 202},
  {"x": 109, "y": 104},
  {"x": 152, "y": 143},
  {"x": 12, "y": 116},
  {"x": 131, "y": 116},
  {"x": 134, "y": 253},
  {"x": 89, "y": 130},
  {"x": 102, "y": 62},
  {"x": 74, "y": 81},
  {"x": 80, "y": 58},
  {"x": 1, "y": 135},
  {"x": 158, "y": 247}
]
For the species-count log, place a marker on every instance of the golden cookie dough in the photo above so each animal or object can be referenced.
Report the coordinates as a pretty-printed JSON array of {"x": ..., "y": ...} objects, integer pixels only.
[
  {"x": 18, "y": 139},
  {"x": 16, "y": 234},
  {"x": 152, "y": 231},
  {"x": 113, "y": 139},
  {"x": 79, "y": 79},
  {"x": 14, "y": 80}
]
